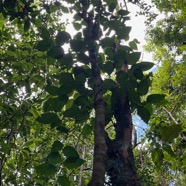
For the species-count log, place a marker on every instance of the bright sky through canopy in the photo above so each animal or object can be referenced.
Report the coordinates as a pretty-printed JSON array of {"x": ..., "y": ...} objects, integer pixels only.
[{"x": 138, "y": 30}]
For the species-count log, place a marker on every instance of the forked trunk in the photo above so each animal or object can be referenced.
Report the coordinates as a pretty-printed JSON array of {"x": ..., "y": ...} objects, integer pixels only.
[{"x": 120, "y": 160}]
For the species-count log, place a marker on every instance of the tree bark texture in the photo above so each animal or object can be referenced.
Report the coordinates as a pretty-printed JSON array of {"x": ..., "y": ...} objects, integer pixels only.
[
  {"x": 120, "y": 161},
  {"x": 100, "y": 146}
]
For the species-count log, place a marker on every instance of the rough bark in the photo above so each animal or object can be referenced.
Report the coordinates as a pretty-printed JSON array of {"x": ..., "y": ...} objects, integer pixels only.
[
  {"x": 120, "y": 163},
  {"x": 100, "y": 146}
]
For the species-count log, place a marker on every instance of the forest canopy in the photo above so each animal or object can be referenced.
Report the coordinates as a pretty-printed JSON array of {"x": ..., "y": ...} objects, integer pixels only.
[{"x": 68, "y": 99}]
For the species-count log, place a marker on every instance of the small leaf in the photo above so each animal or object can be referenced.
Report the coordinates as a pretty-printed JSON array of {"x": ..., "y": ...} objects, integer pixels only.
[
  {"x": 169, "y": 133},
  {"x": 133, "y": 45},
  {"x": 169, "y": 150},
  {"x": 63, "y": 181},
  {"x": 122, "y": 77},
  {"x": 45, "y": 34},
  {"x": 43, "y": 45},
  {"x": 62, "y": 129},
  {"x": 132, "y": 94},
  {"x": 138, "y": 74},
  {"x": 123, "y": 12},
  {"x": 77, "y": 26},
  {"x": 133, "y": 58},
  {"x": 144, "y": 113},
  {"x": 87, "y": 129},
  {"x": 57, "y": 146},
  {"x": 26, "y": 25},
  {"x": 52, "y": 90},
  {"x": 46, "y": 169},
  {"x": 54, "y": 158},
  {"x": 157, "y": 157},
  {"x": 70, "y": 151},
  {"x": 108, "y": 67},
  {"x": 56, "y": 52},
  {"x": 5, "y": 148},
  {"x": 143, "y": 86},
  {"x": 66, "y": 61},
  {"x": 73, "y": 162},
  {"x": 82, "y": 101},
  {"x": 109, "y": 84},
  {"x": 107, "y": 42}
]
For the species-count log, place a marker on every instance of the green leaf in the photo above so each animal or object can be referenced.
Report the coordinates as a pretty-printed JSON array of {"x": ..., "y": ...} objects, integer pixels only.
[
  {"x": 169, "y": 133},
  {"x": 122, "y": 77},
  {"x": 43, "y": 45},
  {"x": 54, "y": 158},
  {"x": 54, "y": 104},
  {"x": 77, "y": 26},
  {"x": 82, "y": 101},
  {"x": 157, "y": 157},
  {"x": 57, "y": 146},
  {"x": 62, "y": 37},
  {"x": 62, "y": 129},
  {"x": 83, "y": 58},
  {"x": 138, "y": 74},
  {"x": 156, "y": 99},
  {"x": 144, "y": 66},
  {"x": 45, "y": 34},
  {"x": 26, "y": 25},
  {"x": 95, "y": 2},
  {"x": 108, "y": 67},
  {"x": 63, "y": 181},
  {"x": 5, "y": 148},
  {"x": 70, "y": 151},
  {"x": 77, "y": 45},
  {"x": 49, "y": 118},
  {"x": 52, "y": 90},
  {"x": 73, "y": 162},
  {"x": 112, "y": 6},
  {"x": 87, "y": 129},
  {"x": 132, "y": 94},
  {"x": 123, "y": 32},
  {"x": 133, "y": 45},
  {"x": 68, "y": 83},
  {"x": 107, "y": 42},
  {"x": 123, "y": 12},
  {"x": 169, "y": 150},
  {"x": 109, "y": 84},
  {"x": 133, "y": 58},
  {"x": 143, "y": 86},
  {"x": 64, "y": 9},
  {"x": 144, "y": 113},
  {"x": 46, "y": 169},
  {"x": 66, "y": 61},
  {"x": 56, "y": 52}
]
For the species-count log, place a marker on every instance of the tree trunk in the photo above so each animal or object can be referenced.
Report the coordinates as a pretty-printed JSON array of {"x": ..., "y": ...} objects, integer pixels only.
[
  {"x": 81, "y": 168},
  {"x": 120, "y": 160}
]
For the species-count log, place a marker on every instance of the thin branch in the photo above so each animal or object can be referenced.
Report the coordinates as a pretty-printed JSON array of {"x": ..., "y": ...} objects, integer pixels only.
[{"x": 170, "y": 115}]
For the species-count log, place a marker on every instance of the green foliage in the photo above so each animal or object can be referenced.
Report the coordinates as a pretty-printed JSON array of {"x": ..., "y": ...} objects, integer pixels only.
[
  {"x": 47, "y": 91},
  {"x": 46, "y": 169}
]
